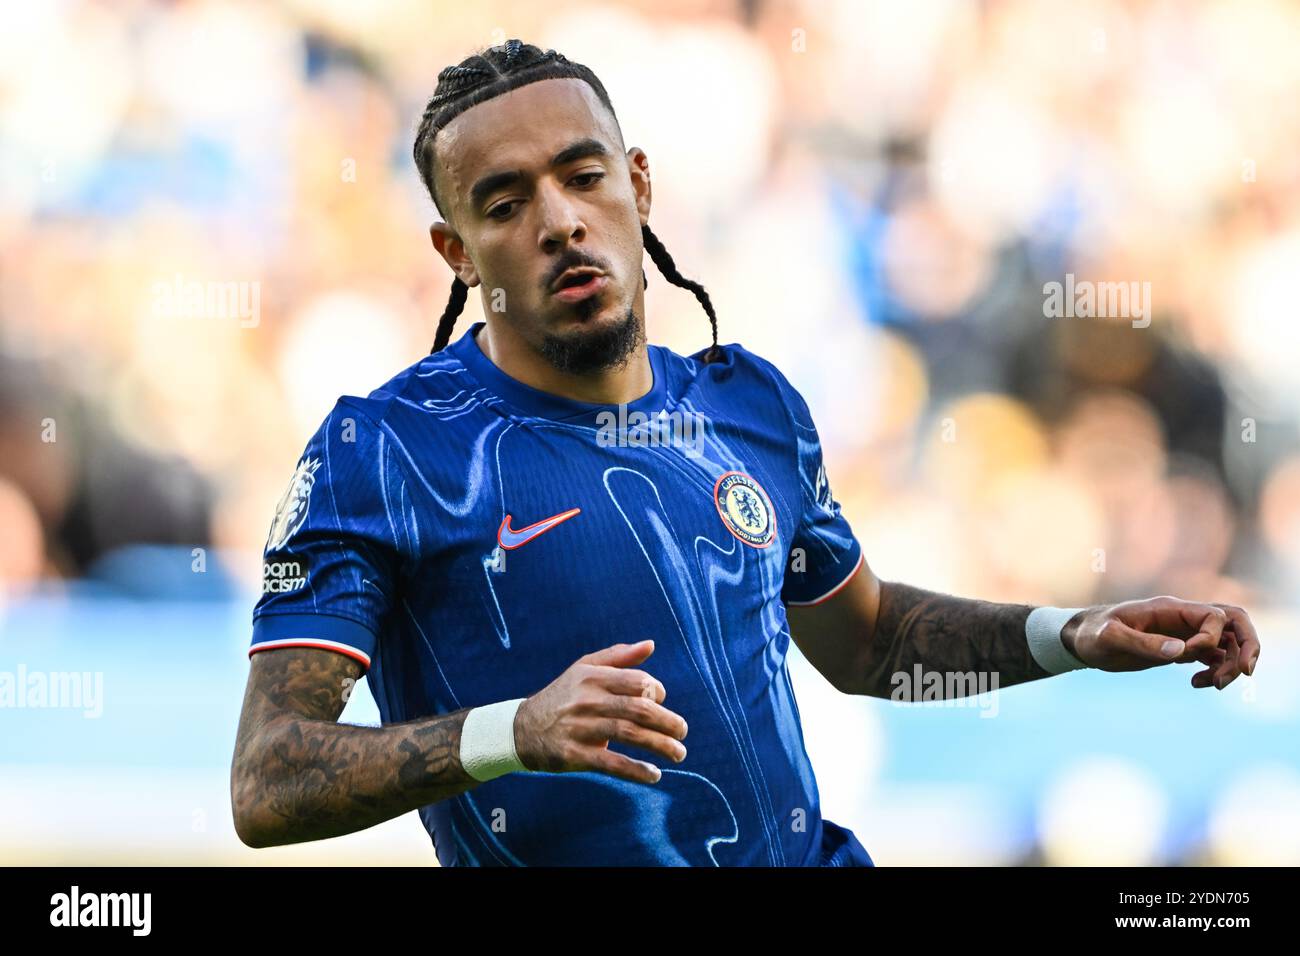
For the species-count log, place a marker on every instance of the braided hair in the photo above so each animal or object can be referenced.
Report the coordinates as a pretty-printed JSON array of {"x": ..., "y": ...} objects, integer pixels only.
[{"x": 498, "y": 70}]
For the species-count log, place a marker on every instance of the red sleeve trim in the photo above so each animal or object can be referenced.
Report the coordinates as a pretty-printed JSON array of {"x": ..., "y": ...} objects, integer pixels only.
[{"x": 343, "y": 649}]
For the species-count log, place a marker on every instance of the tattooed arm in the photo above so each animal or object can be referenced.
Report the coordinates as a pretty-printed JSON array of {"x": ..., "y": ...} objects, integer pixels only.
[
  {"x": 299, "y": 775},
  {"x": 872, "y": 630}
]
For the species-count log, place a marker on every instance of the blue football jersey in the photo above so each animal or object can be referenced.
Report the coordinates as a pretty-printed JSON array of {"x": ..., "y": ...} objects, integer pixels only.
[{"x": 467, "y": 538}]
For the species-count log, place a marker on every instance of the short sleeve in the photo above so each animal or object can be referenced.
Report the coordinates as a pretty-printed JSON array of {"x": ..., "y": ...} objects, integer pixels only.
[
  {"x": 824, "y": 554},
  {"x": 331, "y": 558}
]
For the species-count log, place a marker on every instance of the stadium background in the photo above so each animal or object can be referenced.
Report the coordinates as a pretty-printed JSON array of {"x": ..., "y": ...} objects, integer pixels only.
[{"x": 873, "y": 193}]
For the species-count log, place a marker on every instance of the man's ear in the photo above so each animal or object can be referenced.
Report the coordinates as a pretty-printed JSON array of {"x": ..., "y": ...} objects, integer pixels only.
[
  {"x": 638, "y": 167},
  {"x": 452, "y": 249}
]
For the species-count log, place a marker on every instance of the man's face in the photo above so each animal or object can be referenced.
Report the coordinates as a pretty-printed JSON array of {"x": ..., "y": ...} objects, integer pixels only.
[{"x": 518, "y": 218}]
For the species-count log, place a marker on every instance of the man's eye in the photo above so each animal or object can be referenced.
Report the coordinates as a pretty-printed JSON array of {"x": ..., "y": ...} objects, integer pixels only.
[{"x": 496, "y": 212}]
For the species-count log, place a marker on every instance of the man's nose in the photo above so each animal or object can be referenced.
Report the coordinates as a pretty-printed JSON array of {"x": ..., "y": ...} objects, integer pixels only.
[{"x": 560, "y": 221}]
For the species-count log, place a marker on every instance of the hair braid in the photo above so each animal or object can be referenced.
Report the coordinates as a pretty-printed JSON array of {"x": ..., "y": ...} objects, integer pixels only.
[
  {"x": 481, "y": 77},
  {"x": 455, "y": 304},
  {"x": 659, "y": 255}
]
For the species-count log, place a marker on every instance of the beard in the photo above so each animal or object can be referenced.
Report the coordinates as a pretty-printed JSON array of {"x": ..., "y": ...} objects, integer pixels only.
[{"x": 595, "y": 350}]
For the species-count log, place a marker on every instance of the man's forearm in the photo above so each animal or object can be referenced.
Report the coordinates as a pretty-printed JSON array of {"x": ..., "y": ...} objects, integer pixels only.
[
  {"x": 298, "y": 779},
  {"x": 946, "y": 634}
]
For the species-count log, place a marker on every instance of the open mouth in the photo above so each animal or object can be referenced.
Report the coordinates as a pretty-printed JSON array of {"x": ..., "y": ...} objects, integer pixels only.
[
  {"x": 575, "y": 277},
  {"x": 574, "y": 288}
]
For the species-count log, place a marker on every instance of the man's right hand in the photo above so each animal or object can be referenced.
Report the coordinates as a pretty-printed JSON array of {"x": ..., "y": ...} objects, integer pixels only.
[{"x": 569, "y": 724}]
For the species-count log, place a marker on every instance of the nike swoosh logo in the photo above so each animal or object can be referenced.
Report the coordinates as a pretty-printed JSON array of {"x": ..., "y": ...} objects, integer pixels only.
[{"x": 509, "y": 538}]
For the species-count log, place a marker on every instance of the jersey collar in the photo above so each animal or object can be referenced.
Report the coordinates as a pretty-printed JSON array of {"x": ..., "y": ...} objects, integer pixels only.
[{"x": 536, "y": 403}]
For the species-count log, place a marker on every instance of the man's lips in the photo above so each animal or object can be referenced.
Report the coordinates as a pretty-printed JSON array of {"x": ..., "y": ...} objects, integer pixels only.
[
  {"x": 574, "y": 272},
  {"x": 576, "y": 293}
]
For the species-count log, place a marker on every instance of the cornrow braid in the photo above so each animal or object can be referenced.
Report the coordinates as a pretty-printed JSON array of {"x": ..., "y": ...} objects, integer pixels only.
[{"x": 481, "y": 77}]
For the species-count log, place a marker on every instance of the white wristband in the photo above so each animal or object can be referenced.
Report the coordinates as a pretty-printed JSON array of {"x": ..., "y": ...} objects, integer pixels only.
[
  {"x": 1043, "y": 632},
  {"x": 487, "y": 741}
]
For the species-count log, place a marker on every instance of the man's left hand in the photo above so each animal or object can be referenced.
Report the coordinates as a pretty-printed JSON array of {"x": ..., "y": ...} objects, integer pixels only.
[{"x": 1137, "y": 635}]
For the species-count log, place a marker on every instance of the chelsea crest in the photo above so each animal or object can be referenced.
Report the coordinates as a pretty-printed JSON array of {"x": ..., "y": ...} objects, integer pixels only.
[{"x": 745, "y": 509}]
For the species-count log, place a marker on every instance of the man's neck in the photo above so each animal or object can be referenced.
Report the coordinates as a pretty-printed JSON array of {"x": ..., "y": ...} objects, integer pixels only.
[{"x": 620, "y": 385}]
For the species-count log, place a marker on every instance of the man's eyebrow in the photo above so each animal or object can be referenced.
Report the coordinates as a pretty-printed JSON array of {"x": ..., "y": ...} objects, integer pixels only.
[{"x": 579, "y": 149}]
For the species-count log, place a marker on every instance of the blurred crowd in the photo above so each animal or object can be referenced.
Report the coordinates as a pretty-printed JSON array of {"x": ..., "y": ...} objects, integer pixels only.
[{"x": 875, "y": 195}]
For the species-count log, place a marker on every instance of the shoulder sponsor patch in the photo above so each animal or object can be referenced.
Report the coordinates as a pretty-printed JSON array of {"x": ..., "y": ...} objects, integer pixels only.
[{"x": 283, "y": 573}]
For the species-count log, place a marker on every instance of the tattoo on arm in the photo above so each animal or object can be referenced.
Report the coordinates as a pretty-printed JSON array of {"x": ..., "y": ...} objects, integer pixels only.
[
  {"x": 948, "y": 635},
  {"x": 299, "y": 775}
]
